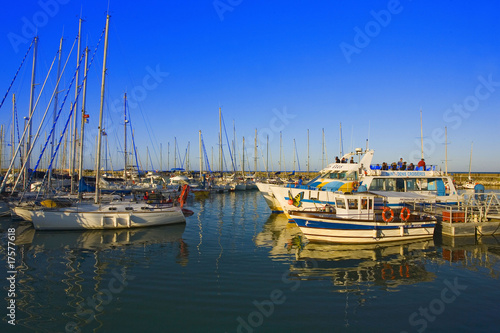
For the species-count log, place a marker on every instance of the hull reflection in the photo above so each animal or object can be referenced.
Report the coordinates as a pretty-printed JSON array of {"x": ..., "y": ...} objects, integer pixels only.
[{"x": 347, "y": 265}]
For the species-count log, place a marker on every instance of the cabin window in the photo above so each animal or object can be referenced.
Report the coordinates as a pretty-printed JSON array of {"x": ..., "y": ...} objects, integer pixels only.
[
  {"x": 352, "y": 176},
  {"x": 400, "y": 185},
  {"x": 377, "y": 184},
  {"x": 340, "y": 203},
  {"x": 411, "y": 185},
  {"x": 422, "y": 184},
  {"x": 353, "y": 203}
]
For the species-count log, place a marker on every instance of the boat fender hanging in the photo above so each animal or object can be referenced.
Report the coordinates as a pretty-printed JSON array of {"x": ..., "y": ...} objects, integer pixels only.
[
  {"x": 384, "y": 215},
  {"x": 405, "y": 214}
]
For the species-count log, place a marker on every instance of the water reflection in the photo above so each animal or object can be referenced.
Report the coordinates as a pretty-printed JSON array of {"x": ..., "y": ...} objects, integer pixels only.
[
  {"x": 281, "y": 236},
  {"x": 387, "y": 266},
  {"x": 69, "y": 277},
  {"x": 475, "y": 254}
]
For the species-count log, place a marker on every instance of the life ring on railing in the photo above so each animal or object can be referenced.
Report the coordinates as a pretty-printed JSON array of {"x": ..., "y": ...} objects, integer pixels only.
[
  {"x": 405, "y": 214},
  {"x": 183, "y": 197},
  {"x": 384, "y": 215}
]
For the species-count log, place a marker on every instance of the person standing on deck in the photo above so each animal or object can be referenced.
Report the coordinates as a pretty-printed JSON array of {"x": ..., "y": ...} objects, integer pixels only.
[{"x": 421, "y": 164}]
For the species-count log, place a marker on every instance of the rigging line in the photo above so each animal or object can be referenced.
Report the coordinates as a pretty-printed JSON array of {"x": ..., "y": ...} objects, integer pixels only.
[
  {"x": 45, "y": 114},
  {"x": 17, "y": 72},
  {"x": 52, "y": 131},
  {"x": 30, "y": 121},
  {"x": 62, "y": 105},
  {"x": 17, "y": 124},
  {"x": 228, "y": 145},
  {"x": 133, "y": 143},
  {"x": 147, "y": 123},
  {"x": 205, "y": 154}
]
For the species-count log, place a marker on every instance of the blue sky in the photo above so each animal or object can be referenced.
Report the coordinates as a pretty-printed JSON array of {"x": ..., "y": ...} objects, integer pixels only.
[{"x": 274, "y": 66}]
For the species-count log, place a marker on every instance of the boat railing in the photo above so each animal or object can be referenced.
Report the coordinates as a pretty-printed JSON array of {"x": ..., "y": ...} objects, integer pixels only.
[
  {"x": 473, "y": 208},
  {"x": 426, "y": 168}
]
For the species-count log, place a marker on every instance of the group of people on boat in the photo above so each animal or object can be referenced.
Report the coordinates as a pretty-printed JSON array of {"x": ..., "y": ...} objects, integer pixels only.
[
  {"x": 344, "y": 160},
  {"x": 401, "y": 165}
]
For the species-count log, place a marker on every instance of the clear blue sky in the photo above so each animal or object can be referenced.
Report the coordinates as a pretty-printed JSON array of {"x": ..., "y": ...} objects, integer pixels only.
[{"x": 275, "y": 66}]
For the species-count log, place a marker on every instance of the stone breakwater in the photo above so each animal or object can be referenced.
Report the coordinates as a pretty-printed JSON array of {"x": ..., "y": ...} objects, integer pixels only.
[{"x": 488, "y": 179}]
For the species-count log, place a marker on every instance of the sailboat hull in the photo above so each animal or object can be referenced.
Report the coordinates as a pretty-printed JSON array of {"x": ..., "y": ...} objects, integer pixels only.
[{"x": 106, "y": 217}]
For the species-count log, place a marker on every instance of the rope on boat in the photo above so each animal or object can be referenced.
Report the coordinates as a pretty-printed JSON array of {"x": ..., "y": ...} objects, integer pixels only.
[{"x": 15, "y": 75}]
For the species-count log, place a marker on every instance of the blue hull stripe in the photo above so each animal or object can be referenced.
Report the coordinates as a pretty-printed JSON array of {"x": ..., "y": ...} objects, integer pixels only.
[{"x": 353, "y": 226}]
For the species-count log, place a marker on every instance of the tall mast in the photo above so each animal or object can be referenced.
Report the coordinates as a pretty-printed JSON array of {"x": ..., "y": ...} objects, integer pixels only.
[
  {"x": 13, "y": 133},
  {"x": 255, "y": 153},
  {"x": 168, "y": 155},
  {"x": 75, "y": 114},
  {"x": 267, "y": 157},
  {"x": 201, "y": 155},
  {"x": 281, "y": 151},
  {"x": 147, "y": 158},
  {"x": 31, "y": 110},
  {"x": 243, "y": 163},
  {"x": 83, "y": 119},
  {"x": 187, "y": 157},
  {"x": 421, "y": 135},
  {"x": 294, "y": 151},
  {"x": 235, "y": 167},
  {"x": 470, "y": 160},
  {"x": 101, "y": 111},
  {"x": 446, "y": 150},
  {"x": 161, "y": 162},
  {"x": 323, "y": 149},
  {"x": 175, "y": 153},
  {"x": 220, "y": 140},
  {"x": 340, "y": 142},
  {"x": 308, "y": 151},
  {"x": 56, "y": 104},
  {"x": 125, "y": 121}
]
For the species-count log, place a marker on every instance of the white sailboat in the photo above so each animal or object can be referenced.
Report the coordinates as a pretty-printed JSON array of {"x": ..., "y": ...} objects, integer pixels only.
[
  {"x": 109, "y": 216},
  {"x": 470, "y": 184}
]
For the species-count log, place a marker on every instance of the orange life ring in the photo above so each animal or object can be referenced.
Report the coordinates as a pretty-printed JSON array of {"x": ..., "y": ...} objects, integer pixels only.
[
  {"x": 405, "y": 214},
  {"x": 384, "y": 216}
]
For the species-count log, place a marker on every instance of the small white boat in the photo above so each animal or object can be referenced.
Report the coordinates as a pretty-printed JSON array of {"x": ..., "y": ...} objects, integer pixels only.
[
  {"x": 354, "y": 219},
  {"x": 109, "y": 216}
]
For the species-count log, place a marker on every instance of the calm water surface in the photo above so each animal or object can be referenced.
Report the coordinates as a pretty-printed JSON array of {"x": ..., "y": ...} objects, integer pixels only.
[{"x": 234, "y": 267}]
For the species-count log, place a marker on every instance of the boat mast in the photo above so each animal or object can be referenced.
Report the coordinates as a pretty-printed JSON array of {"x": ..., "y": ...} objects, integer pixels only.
[
  {"x": 161, "y": 157},
  {"x": 56, "y": 103},
  {"x": 31, "y": 110},
  {"x": 75, "y": 114},
  {"x": 294, "y": 156},
  {"x": 243, "y": 162},
  {"x": 125, "y": 135},
  {"x": 281, "y": 151},
  {"x": 308, "y": 151},
  {"x": 340, "y": 142},
  {"x": 421, "y": 136},
  {"x": 175, "y": 153},
  {"x": 83, "y": 120},
  {"x": 470, "y": 161},
  {"x": 187, "y": 157},
  {"x": 201, "y": 156},
  {"x": 235, "y": 166},
  {"x": 446, "y": 150},
  {"x": 220, "y": 140},
  {"x": 255, "y": 153},
  {"x": 323, "y": 149},
  {"x": 267, "y": 157},
  {"x": 13, "y": 134},
  {"x": 101, "y": 109}
]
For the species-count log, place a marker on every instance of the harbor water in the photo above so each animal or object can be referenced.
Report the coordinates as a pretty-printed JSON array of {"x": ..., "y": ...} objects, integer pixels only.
[{"x": 235, "y": 267}]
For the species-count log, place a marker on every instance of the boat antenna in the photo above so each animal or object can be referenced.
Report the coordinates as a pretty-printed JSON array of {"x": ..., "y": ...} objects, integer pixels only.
[{"x": 421, "y": 135}]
